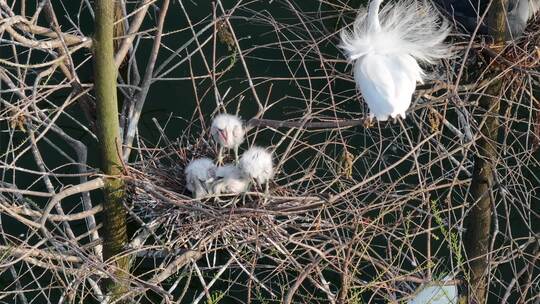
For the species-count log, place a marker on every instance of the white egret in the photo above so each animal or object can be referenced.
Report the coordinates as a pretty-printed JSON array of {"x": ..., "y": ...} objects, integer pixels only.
[
  {"x": 385, "y": 46},
  {"x": 468, "y": 14},
  {"x": 228, "y": 132},
  {"x": 436, "y": 293},
  {"x": 230, "y": 180},
  {"x": 256, "y": 164},
  {"x": 200, "y": 175}
]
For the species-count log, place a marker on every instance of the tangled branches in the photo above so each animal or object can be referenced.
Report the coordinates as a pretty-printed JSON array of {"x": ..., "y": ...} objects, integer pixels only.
[{"x": 355, "y": 214}]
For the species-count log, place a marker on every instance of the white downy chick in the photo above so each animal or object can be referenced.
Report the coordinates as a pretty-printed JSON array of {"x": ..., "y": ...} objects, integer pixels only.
[
  {"x": 228, "y": 131},
  {"x": 230, "y": 180},
  {"x": 200, "y": 174},
  {"x": 256, "y": 163}
]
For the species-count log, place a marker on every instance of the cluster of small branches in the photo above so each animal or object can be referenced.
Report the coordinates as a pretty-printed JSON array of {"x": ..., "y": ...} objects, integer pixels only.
[{"x": 355, "y": 214}]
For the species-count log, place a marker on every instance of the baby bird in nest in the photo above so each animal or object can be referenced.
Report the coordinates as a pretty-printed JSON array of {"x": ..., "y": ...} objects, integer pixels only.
[
  {"x": 256, "y": 164},
  {"x": 200, "y": 174},
  {"x": 230, "y": 180},
  {"x": 228, "y": 132}
]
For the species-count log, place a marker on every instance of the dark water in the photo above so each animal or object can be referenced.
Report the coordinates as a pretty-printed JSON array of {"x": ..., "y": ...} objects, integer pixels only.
[{"x": 173, "y": 101}]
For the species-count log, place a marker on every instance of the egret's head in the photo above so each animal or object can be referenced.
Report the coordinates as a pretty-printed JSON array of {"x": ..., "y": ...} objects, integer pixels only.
[
  {"x": 227, "y": 130},
  {"x": 200, "y": 173},
  {"x": 256, "y": 163}
]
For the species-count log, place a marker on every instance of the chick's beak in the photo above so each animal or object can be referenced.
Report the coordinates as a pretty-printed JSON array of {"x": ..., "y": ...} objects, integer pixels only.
[{"x": 223, "y": 135}]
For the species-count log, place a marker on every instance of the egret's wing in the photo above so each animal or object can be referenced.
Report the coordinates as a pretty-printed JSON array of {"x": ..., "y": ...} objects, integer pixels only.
[
  {"x": 373, "y": 75},
  {"x": 410, "y": 66},
  {"x": 407, "y": 73}
]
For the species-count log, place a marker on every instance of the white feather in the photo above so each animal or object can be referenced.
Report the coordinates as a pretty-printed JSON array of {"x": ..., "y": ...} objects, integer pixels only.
[
  {"x": 386, "y": 45},
  {"x": 256, "y": 163},
  {"x": 534, "y": 6},
  {"x": 200, "y": 174},
  {"x": 520, "y": 15},
  {"x": 387, "y": 83},
  {"x": 230, "y": 180},
  {"x": 232, "y": 126}
]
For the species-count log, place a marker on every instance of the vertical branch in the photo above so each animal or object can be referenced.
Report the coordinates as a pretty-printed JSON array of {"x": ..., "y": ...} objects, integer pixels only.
[
  {"x": 496, "y": 20},
  {"x": 136, "y": 108},
  {"x": 119, "y": 26},
  {"x": 479, "y": 219},
  {"x": 114, "y": 222}
]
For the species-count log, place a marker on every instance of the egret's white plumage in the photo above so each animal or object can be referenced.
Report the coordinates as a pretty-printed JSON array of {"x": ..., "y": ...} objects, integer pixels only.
[
  {"x": 230, "y": 180},
  {"x": 256, "y": 163},
  {"x": 534, "y": 6},
  {"x": 519, "y": 15},
  {"x": 200, "y": 174},
  {"x": 469, "y": 13},
  {"x": 436, "y": 293},
  {"x": 385, "y": 46},
  {"x": 228, "y": 131}
]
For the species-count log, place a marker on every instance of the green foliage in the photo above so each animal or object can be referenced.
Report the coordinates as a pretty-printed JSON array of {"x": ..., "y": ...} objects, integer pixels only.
[
  {"x": 215, "y": 297},
  {"x": 451, "y": 237},
  {"x": 5, "y": 253},
  {"x": 356, "y": 297}
]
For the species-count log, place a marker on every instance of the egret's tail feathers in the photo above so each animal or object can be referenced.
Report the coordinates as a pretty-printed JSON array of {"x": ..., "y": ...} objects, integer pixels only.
[{"x": 406, "y": 27}]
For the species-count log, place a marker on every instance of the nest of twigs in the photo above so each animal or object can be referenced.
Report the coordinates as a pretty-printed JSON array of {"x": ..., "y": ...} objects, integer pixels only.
[
  {"x": 158, "y": 194},
  {"x": 525, "y": 51},
  {"x": 275, "y": 234}
]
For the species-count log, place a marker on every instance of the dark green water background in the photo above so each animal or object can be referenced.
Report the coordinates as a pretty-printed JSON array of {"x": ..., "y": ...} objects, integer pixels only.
[{"x": 174, "y": 101}]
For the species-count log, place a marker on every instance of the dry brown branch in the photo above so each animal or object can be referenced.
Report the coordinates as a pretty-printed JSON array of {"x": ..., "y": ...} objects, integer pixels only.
[{"x": 355, "y": 214}]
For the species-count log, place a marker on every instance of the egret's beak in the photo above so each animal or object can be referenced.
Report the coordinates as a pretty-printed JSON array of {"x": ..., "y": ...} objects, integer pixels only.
[
  {"x": 223, "y": 134},
  {"x": 200, "y": 189}
]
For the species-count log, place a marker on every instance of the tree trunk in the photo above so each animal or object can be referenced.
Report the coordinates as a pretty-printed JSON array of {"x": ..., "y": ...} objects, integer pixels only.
[
  {"x": 478, "y": 233},
  {"x": 105, "y": 74}
]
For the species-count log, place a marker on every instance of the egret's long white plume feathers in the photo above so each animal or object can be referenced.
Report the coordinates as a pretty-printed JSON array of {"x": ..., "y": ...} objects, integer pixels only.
[
  {"x": 407, "y": 27},
  {"x": 385, "y": 46}
]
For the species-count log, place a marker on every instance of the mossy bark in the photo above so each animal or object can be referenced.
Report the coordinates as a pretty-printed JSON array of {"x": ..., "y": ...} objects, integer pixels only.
[
  {"x": 478, "y": 224},
  {"x": 108, "y": 129},
  {"x": 478, "y": 234},
  {"x": 119, "y": 28}
]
